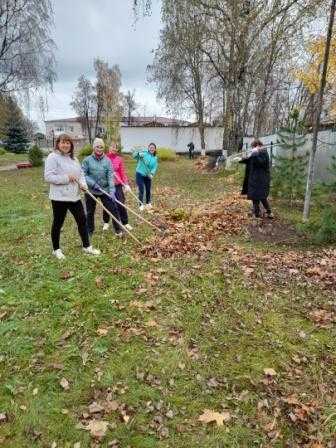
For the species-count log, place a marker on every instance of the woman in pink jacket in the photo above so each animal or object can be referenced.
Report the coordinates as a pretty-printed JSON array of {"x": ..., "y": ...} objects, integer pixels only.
[{"x": 120, "y": 181}]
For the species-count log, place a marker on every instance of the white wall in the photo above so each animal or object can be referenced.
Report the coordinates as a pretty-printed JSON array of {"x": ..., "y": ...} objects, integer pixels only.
[{"x": 171, "y": 137}]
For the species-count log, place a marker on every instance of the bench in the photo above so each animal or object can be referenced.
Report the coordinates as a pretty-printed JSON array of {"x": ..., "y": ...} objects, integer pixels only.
[{"x": 21, "y": 165}]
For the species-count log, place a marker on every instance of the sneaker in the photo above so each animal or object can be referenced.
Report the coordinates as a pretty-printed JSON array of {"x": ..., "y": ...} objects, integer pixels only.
[
  {"x": 58, "y": 254},
  {"x": 270, "y": 216},
  {"x": 106, "y": 226},
  {"x": 91, "y": 251},
  {"x": 142, "y": 208},
  {"x": 128, "y": 227},
  {"x": 149, "y": 206},
  {"x": 119, "y": 234}
]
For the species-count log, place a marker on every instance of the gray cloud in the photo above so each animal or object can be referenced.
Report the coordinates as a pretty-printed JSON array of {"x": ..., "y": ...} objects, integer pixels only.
[{"x": 86, "y": 29}]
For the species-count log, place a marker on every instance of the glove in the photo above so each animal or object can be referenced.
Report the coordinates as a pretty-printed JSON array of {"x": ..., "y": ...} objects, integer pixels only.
[
  {"x": 150, "y": 176},
  {"x": 127, "y": 188},
  {"x": 112, "y": 195},
  {"x": 141, "y": 155},
  {"x": 254, "y": 151},
  {"x": 96, "y": 187}
]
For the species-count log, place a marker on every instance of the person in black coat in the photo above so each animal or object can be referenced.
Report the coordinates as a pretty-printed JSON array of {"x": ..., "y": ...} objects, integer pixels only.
[
  {"x": 257, "y": 178},
  {"x": 191, "y": 149}
]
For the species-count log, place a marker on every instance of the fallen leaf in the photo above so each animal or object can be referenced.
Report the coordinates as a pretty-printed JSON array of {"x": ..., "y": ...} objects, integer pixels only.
[
  {"x": 102, "y": 331},
  {"x": 151, "y": 323},
  {"x": 97, "y": 428},
  {"x": 270, "y": 372},
  {"x": 3, "y": 417},
  {"x": 77, "y": 445},
  {"x": 111, "y": 406},
  {"x": 209, "y": 416},
  {"x": 35, "y": 391},
  {"x": 85, "y": 357},
  {"x": 95, "y": 408},
  {"x": 65, "y": 275},
  {"x": 99, "y": 282},
  {"x": 65, "y": 384}
]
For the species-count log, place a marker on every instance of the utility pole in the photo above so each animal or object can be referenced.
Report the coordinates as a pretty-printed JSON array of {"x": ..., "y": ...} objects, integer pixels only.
[{"x": 311, "y": 166}]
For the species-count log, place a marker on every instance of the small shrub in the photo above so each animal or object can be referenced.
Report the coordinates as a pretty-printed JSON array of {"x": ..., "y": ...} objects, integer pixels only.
[
  {"x": 2, "y": 152},
  {"x": 166, "y": 154},
  {"x": 35, "y": 156},
  {"x": 85, "y": 151},
  {"x": 327, "y": 227}
]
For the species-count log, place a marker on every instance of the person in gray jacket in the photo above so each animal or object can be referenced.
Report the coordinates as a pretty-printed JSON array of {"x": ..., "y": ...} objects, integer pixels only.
[
  {"x": 99, "y": 176},
  {"x": 65, "y": 176}
]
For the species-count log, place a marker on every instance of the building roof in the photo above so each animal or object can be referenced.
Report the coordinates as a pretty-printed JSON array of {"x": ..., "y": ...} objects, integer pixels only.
[
  {"x": 135, "y": 121},
  {"x": 64, "y": 120}
]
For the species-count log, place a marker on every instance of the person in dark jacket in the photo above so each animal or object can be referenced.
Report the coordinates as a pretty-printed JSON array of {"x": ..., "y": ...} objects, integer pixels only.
[
  {"x": 257, "y": 178},
  {"x": 191, "y": 149}
]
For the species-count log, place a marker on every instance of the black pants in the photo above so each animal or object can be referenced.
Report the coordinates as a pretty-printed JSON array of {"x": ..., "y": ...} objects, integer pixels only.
[
  {"x": 191, "y": 154},
  {"x": 91, "y": 208},
  {"x": 256, "y": 207},
  {"x": 144, "y": 183},
  {"x": 121, "y": 210},
  {"x": 60, "y": 209}
]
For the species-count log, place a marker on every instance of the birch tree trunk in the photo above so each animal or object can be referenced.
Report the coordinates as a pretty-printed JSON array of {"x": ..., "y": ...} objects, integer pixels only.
[{"x": 311, "y": 167}]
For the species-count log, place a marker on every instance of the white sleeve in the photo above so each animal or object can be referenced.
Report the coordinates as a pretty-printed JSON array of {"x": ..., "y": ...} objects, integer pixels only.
[{"x": 50, "y": 172}]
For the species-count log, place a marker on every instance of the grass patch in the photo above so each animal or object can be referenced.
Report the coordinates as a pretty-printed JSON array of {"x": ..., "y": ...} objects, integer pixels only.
[{"x": 204, "y": 344}]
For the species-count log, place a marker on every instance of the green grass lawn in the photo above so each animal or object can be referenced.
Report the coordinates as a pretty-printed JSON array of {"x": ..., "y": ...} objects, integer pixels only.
[{"x": 154, "y": 342}]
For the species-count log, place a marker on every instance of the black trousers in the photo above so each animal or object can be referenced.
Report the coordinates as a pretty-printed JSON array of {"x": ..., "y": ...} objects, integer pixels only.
[
  {"x": 191, "y": 154},
  {"x": 121, "y": 210},
  {"x": 256, "y": 207},
  {"x": 60, "y": 209},
  {"x": 144, "y": 183},
  {"x": 91, "y": 208}
]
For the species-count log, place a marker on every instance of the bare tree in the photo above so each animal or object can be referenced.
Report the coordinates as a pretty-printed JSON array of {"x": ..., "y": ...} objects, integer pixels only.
[
  {"x": 108, "y": 98},
  {"x": 311, "y": 167},
  {"x": 179, "y": 67},
  {"x": 130, "y": 105},
  {"x": 26, "y": 49},
  {"x": 84, "y": 103}
]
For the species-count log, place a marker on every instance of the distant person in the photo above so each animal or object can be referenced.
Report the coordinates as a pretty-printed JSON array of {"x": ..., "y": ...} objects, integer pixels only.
[
  {"x": 191, "y": 149},
  {"x": 121, "y": 185},
  {"x": 99, "y": 176},
  {"x": 257, "y": 178},
  {"x": 145, "y": 171},
  {"x": 66, "y": 178}
]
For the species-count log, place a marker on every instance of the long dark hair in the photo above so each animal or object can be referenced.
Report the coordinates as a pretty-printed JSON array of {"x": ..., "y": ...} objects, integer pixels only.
[
  {"x": 256, "y": 143},
  {"x": 65, "y": 138},
  {"x": 153, "y": 144}
]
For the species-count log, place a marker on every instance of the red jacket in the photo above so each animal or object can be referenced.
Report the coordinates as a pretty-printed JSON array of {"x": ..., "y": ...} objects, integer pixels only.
[{"x": 118, "y": 165}]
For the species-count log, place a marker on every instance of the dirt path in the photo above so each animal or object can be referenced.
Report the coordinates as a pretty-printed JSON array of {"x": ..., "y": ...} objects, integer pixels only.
[{"x": 8, "y": 167}]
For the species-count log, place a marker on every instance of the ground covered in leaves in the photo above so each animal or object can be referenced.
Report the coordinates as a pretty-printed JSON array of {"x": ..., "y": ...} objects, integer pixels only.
[{"x": 218, "y": 331}]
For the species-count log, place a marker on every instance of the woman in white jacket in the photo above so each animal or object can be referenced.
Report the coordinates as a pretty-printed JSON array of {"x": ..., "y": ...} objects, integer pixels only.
[{"x": 64, "y": 174}]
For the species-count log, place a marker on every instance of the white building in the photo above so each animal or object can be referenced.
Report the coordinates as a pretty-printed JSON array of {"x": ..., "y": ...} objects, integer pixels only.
[{"x": 74, "y": 127}]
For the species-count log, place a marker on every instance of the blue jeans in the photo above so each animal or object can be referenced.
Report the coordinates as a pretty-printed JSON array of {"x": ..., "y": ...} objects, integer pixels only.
[{"x": 144, "y": 183}]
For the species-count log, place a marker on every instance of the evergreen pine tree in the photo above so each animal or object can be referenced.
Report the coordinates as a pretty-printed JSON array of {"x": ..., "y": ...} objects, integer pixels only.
[
  {"x": 35, "y": 156},
  {"x": 290, "y": 167},
  {"x": 15, "y": 134}
]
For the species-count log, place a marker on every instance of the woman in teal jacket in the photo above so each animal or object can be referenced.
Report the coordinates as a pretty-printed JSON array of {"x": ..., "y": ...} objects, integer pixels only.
[{"x": 146, "y": 168}]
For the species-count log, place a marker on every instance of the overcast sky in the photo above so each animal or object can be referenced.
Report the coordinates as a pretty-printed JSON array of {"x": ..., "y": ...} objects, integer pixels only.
[{"x": 86, "y": 29}]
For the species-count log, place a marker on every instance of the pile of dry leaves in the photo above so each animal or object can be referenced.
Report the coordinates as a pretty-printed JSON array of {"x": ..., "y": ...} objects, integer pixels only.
[{"x": 195, "y": 232}]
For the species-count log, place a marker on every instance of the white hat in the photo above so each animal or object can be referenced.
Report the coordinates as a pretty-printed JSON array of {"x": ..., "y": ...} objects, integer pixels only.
[{"x": 98, "y": 142}]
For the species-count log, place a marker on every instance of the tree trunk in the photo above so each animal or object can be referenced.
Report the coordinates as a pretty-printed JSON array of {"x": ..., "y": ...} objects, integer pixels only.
[
  {"x": 88, "y": 127},
  {"x": 311, "y": 167}
]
